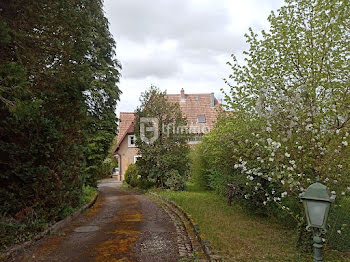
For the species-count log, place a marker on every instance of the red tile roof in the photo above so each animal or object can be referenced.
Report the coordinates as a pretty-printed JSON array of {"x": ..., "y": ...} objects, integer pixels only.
[
  {"x": 126, "y": 126},
  {"x": 192, "y": 106}
]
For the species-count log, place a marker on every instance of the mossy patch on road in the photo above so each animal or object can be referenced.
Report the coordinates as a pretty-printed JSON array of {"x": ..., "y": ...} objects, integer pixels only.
[{"x": 118, "y": 246}]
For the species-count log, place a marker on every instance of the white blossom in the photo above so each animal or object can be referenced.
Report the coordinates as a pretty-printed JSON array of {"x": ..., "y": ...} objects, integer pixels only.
[{"x": 308, "y": 127}]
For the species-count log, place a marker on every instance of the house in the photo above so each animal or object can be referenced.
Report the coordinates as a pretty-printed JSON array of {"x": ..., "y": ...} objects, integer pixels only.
[{"x": 201, "y": 111}]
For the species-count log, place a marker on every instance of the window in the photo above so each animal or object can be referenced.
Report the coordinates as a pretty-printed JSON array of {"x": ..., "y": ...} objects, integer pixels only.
[
  {"x": 201, "y": 119},
  {"x": 136, "y": 158},
  {"x": 131, "y": 141}
]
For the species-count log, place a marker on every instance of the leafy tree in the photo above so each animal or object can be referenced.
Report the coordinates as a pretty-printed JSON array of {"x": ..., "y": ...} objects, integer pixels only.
[
  {"x": 289, "y": 115},
  {"x": 58, "y": 94},
  {"x": 292, "y": 93},
  {"x": 169, "y": 151},
  {"x": 295, "y": 83},
  {"x": 101, "y": 96}
]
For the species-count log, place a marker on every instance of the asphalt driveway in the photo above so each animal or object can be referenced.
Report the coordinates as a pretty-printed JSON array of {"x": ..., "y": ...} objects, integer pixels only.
[{"x": 121, "y": 226}]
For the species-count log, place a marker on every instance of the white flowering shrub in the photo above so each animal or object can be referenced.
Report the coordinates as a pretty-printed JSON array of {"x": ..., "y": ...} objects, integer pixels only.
[
  {"x": 296, "y": 85},
  {"x": 290, "y": 104}
]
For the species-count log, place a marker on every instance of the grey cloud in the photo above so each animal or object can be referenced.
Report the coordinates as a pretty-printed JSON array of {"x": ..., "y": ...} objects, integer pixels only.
[
  {"x": 201, "y": 32},
  {"x": 215, "y": 42},
  {"x": 167, "y": 19},
  {"x": 155, "y": 65}
]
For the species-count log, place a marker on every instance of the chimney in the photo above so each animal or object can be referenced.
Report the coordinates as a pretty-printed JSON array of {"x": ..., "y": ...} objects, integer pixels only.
[
  {"x": 182, "y": 97},
  {"x": 212, "y": 100}
]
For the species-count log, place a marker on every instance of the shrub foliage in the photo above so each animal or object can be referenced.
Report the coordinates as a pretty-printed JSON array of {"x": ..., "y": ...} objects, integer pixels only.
[
  {"x": 289, "y": 118},
  {"x": 132, "y": 176},
  {"x": 58, "y": 95},
  {"x": 168, "y": 154}
]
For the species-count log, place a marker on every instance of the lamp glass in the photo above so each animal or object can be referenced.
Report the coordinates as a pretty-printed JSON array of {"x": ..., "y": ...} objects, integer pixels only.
[{"x": 317, "y": 212}]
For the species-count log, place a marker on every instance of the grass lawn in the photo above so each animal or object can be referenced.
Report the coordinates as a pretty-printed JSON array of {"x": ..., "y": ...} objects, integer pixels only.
[{"x": 236, "y": 235}]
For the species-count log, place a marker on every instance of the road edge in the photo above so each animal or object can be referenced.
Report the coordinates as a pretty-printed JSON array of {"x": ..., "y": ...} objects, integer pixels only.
[{"x": 205, "y": 244}]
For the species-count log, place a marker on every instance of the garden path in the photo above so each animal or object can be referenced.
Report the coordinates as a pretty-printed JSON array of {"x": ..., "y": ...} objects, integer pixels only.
[{"x": 121, "y": 226}]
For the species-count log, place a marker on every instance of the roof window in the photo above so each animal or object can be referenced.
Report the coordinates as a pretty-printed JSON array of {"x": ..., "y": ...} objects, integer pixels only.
[{"x": 201, "y": 119}]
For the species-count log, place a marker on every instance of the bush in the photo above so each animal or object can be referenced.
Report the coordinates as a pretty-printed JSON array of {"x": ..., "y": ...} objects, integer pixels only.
[
  {"x": 131, "y": 176},
  {"x": 174, "y": 180},
  {"x": 282, "y": 132},
  {"x": 13, "y": 231},
  {"x": 214, "y": 165},
  {"x": 196, "y": 168},
  {"x": 65, "y": 212}
]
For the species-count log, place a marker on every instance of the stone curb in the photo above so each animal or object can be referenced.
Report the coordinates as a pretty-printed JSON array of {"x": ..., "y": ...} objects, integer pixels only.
[
  {"x": 205, "y": 244},
  {"x": 52, "y": 228}
]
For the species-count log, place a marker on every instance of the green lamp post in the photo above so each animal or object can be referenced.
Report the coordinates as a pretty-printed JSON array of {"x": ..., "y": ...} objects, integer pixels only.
[{"x": 317, "y": 202}]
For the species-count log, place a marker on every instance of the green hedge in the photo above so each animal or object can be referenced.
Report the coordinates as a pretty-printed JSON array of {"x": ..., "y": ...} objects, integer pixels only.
[{"x": 213, "y": 167}]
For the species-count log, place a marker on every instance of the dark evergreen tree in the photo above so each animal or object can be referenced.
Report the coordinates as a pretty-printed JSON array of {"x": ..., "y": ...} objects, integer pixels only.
[{"x": 58, "y": 94}]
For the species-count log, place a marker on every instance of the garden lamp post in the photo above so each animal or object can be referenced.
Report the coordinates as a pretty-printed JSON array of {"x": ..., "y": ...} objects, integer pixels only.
[{"x": 317, "y": 201}]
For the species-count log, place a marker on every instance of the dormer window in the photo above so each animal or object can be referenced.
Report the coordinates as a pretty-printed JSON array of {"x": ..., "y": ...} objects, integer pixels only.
[
  {"x": 131, "y": 141},
  {"x": 201, "y": 119}
]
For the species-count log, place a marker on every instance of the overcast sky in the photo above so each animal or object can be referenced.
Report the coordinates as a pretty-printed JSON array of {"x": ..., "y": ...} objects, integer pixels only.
[{"x": 176, "y": 44}]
